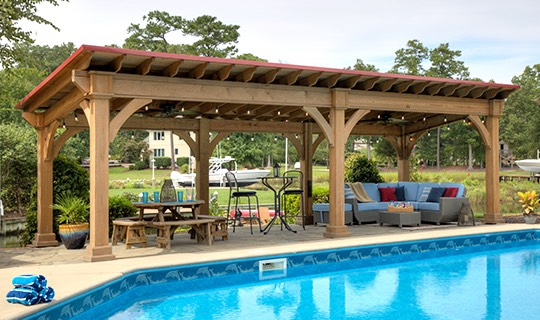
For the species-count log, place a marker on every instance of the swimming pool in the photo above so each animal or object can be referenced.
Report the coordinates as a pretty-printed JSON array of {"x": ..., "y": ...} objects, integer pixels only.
[{"x": 463, "y": 277}]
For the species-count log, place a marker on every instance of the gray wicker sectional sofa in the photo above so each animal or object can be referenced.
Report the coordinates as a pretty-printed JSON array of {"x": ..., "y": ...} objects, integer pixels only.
[{"x": 430, "y": 198}]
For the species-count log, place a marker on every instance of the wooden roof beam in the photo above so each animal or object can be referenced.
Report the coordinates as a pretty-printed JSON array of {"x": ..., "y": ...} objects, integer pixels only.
[
  {"x": 404, "y": 86},
  {"x": 268, "y": 77},
  {"x": 368, "y": 84},
  {"x": 331, "y": 81},
  {"x": 246, "y": 75},
  {"x": 311, "y": 80},
  {"x": 291, "y": 78},
  {"x": 144, "y": 67},
  {"x": 198, "y": 72},
  {"x": 350, "y": 82},
  {"x": 419, "y": 87},
  {"x": 116, "y": 64},
  {"x": 385, "y": 85},
  {"x": 172, "y": 69},
  {"x": 224, "y": 73}
]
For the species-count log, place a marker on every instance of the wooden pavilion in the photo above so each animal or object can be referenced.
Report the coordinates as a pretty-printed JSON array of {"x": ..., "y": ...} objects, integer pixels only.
[{"x": 108, "y": 89}]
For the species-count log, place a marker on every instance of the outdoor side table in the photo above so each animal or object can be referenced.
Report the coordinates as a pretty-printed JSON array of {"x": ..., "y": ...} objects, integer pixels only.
[{"x": 400, "y": 218}]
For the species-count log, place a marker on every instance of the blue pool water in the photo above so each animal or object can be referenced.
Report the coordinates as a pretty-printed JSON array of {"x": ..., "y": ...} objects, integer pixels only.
[{"x": 493, "y": 276}]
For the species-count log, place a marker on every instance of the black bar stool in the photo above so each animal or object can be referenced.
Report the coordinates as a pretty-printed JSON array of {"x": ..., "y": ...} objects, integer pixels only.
[
  {"x": 295, "y": 190},
  {"x": 234, "y": 192}
]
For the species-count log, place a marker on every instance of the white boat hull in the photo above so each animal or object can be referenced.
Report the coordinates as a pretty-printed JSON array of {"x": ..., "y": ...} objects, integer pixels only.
[
  {"x": 244, "y": 177},
  {"x": 531, "y": 165}
]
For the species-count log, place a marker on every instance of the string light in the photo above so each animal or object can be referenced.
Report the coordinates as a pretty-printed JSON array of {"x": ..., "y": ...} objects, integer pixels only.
[
  {"x": 252, "y": 138},
  {"x": 63, "y": 124},
  {"x": 278, "y": 112},
  {"x": 379, "y": 116},
  {"x": 217, "y": 110},
  {"x": 424, "y": 119},
  {"x": 183, "y": 109},
  {"x": 75, "y": 117},
  {"x": 248, "y": 112},
  {"x": 402, "y": 117},
  {"x": 275, "y": 138},
  {"x": 429, "y": 133},
  {"x": 445, "y": 120},
  {"x": 146, "y": 108}
]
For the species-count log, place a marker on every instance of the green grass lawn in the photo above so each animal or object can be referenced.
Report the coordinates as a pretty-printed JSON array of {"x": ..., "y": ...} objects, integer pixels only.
[{"x": 135, "y": 181}]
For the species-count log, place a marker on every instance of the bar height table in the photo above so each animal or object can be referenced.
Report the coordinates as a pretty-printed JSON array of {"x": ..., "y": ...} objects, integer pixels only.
[{"x": 284, "y": 182}]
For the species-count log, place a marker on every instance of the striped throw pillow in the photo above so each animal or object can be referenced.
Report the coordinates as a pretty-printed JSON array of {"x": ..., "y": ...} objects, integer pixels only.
[{"x": 425, "y": 194}]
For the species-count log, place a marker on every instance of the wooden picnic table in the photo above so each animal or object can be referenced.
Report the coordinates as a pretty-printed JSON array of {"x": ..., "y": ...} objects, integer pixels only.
[{"x": 166, "y": 228}]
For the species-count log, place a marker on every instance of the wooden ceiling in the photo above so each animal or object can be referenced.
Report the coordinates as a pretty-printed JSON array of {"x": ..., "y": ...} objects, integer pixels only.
[{"x": 202, "y": 69}]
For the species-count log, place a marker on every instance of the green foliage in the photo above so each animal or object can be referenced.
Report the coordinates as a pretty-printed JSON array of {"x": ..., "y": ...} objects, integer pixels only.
[
  {"x": 140, "y": 165},
  {"x": 12, "y": 36},
  {"x": 18, "y": 165},
  {"x": 45, "y": 58},
  {"x": 215, "y": 39},
  {"x": 359, "y": 169},
  {"x": 360, "y": 65},
  {"x": 180, "y": 161},
  {"x": 163, "y": 162},
  {"x": 249, "y": 56},
  {"x": 120, "y": 207},
  {"x": 520, "y": 124},
  {"x": 71, "y": 209},
  {"x": 321, "y": 195},
  {"x": 68, "y": 178}
]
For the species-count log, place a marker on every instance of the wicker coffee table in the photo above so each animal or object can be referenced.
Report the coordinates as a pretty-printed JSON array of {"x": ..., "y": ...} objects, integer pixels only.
[{"x": 400, "y": 218}]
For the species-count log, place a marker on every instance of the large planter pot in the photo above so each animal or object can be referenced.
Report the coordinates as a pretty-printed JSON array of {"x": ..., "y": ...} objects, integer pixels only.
[
  {"x": 530, "y": 218},
  {"x": 73, "y": 235}
]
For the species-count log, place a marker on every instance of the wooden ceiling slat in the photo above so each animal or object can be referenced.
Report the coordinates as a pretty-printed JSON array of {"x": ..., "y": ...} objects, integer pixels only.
[
  {"x": 434, "y": 89},
  {"x": 491, "y": 93},
  {"x": 449, "y": 90},
  {"x": 464, "y": 91},
  {"x": 385, "y": 85},
  {"x": 403, "y": 86}
]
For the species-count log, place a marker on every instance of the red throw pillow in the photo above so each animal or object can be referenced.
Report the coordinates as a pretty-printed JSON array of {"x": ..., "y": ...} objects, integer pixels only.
[
  {"x": 450, "y": 192},
  {"x": 388, "y": 194}
]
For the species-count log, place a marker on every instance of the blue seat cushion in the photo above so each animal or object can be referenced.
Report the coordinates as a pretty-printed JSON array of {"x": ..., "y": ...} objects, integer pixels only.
[
  {"x": 369, "y": 206},
  {"x": 429, "y": 206},
  {"x": 325, "y": 207}
]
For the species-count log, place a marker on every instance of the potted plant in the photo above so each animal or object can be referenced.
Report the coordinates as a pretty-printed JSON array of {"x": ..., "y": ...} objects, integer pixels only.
[
  {"x": 73, "y": 220},
  {"x": 529, "y": 202}
]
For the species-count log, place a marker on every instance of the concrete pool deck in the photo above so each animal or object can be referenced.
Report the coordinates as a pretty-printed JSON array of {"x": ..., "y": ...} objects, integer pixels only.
[{"x": 69, "y": 274}]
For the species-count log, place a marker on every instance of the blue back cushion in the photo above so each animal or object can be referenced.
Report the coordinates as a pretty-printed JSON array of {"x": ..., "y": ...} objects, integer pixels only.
[
  {"x": 411, "y": 190},
  {"x": 422, "y": 185},
  {"x": 372, "y": 190},
  {"x": 400, "y": 193},
  {"x": 435, "y": 194}
]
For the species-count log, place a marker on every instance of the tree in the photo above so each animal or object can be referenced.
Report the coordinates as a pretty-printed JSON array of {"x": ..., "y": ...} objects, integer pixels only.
[
  {"x": 152, "y": 37},
  {"x": 520, "y": 124},
  {"x": 18, "y": 165},
  {"x": 360, "y": 65},
  {"x": 359, "y": 169},
  {"x": 45, "y": 58},
  {"x": 13, "y": 38},
  {"x": 409, "y": 60},
  {"x": 444, "y": 63},
  {"x": 215, "y": 39}
]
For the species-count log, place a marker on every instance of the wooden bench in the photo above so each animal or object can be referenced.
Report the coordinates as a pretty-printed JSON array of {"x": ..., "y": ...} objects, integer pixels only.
[
  {"x": 130, "y": 231},
  {"x": 219, "y": 226},
  {"x": 165, "y": 230}
]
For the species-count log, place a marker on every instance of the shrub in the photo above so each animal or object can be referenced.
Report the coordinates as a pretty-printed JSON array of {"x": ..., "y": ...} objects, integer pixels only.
[
  {"x": 120, "y": 207},
  {"x": 180, "y": 161},
  {"x": 321, "y": 195},
  {"x": 68, "y": 177},
  {"x": 162, "y": 162},
  {"x": 359, "y": 169},
  {"x": 140, "y": 165}
]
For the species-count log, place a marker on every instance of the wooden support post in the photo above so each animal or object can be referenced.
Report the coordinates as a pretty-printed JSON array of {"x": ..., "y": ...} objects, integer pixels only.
[
  {"x": 97, "y": 113},
  {"x": 493, "y": 211},
  {"x": 45, "y": 237},
  {"x": 203, "y": 163},
  {"x": 336, "y": 227},
  {"x": 306, "y": 165}
]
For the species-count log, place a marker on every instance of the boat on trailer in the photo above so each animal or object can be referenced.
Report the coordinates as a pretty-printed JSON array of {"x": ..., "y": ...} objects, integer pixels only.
[{"x": 216, "y": 172}]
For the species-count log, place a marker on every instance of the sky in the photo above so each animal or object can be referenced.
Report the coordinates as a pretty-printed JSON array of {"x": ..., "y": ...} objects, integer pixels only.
[{"x": 498, "y": 39}]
